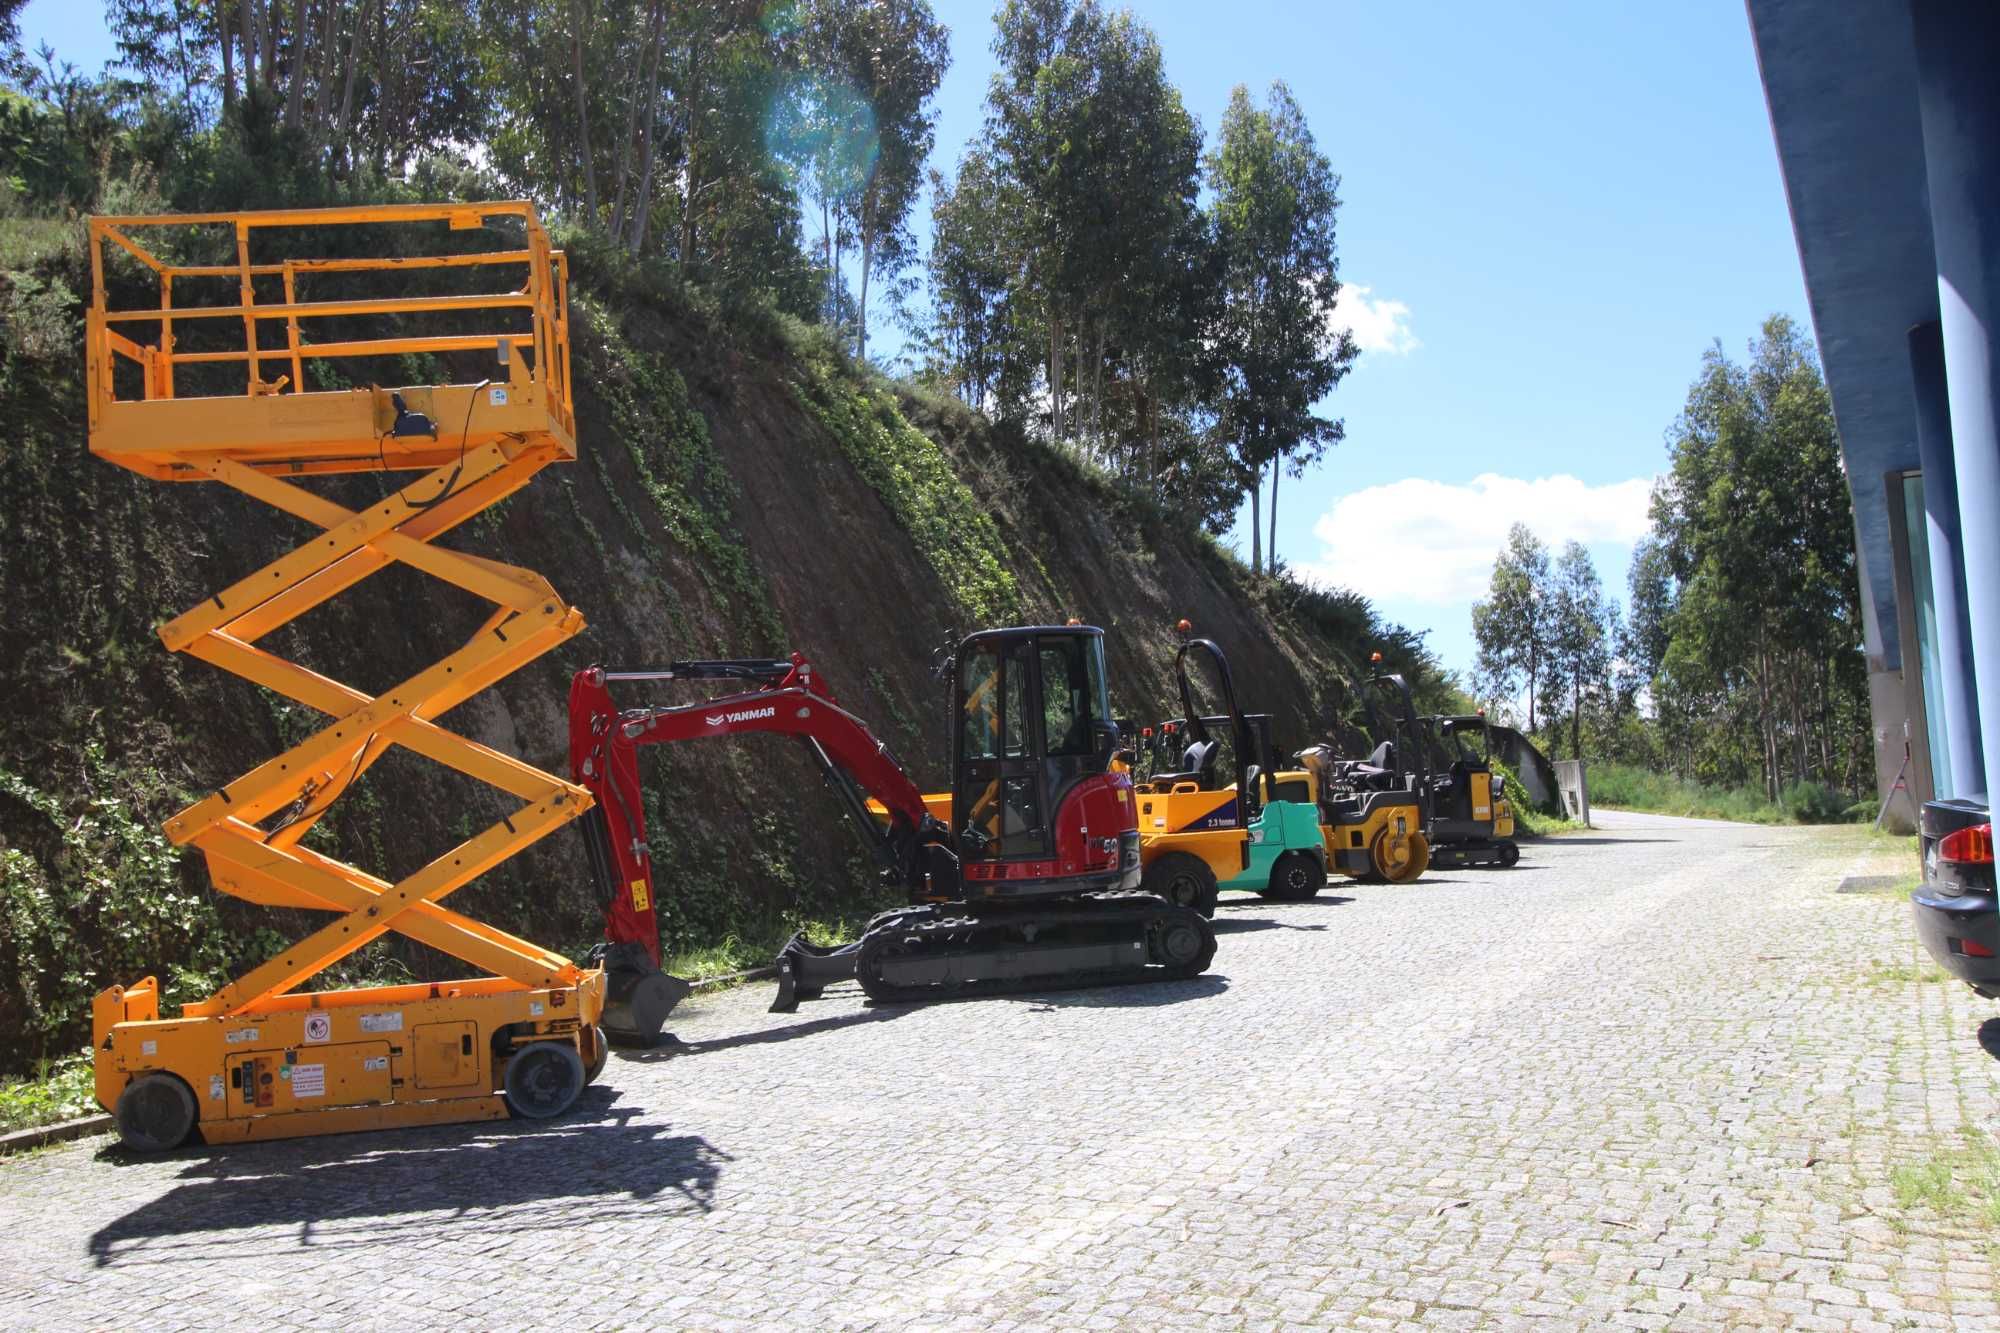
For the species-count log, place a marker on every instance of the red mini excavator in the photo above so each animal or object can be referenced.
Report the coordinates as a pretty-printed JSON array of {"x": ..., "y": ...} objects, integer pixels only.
[{"x": 1021, "y": 876}]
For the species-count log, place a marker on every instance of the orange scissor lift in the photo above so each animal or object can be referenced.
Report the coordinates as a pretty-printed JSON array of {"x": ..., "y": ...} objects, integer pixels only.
[{"x": 262, "y": 1057}]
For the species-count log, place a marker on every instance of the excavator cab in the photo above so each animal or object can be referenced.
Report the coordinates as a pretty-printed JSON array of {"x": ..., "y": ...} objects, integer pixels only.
[{"x": 1033, "y": 729}]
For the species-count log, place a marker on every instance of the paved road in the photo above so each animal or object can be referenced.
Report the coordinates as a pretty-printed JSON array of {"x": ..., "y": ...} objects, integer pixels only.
[{"x": 1655, "y": 1077}]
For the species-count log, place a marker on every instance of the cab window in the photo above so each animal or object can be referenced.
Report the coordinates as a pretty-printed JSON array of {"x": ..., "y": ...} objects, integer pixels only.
[
  {"x": 979, "y": 727},
  {"x": 1067, "y": 695}
]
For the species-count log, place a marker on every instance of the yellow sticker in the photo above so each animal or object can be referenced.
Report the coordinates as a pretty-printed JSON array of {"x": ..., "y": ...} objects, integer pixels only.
[{"x": 641, "y": 900}]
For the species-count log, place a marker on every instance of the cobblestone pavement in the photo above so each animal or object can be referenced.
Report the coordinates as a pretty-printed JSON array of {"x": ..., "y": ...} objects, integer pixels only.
[{"x": 1657, "y": 1077}]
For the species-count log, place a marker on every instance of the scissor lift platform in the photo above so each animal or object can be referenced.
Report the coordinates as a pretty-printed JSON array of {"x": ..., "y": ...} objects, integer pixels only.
[{"x": 211, "y": 384}]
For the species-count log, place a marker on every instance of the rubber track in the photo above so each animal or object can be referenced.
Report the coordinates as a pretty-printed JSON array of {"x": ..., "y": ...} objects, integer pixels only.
[{"x": 1108, "y": 910}]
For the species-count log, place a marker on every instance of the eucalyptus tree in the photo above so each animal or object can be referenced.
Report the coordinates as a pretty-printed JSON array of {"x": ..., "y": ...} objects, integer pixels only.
[
  {"x": 1276, "y": 197},
  {"x": 1513, "y": 625}
]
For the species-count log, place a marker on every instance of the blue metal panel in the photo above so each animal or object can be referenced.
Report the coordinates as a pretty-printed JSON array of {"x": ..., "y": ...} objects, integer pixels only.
[
  {"x": 1840, "y": 81},
  {"x": 1958, "y": 50},
  {"x": 1957, "y": 765}
]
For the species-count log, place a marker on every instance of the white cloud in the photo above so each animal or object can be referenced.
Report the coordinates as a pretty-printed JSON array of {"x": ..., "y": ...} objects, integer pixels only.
[
  {"x": 1377, "y": 326},
  {"x": 1434, "y": 542}
]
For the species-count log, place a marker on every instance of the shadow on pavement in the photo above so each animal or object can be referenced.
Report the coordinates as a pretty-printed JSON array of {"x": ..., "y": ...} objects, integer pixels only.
[
  {"x": 1327, "y": 900},
  {"x": 1142, "y": 995},
  {"x": 1989, "y": 1037},
  {"x": 675, "y": 1049},
  {"x": 1565, "y": 840},
  {"x": 1243, "y": 925},
  {"x": 416, "y": 1186}
]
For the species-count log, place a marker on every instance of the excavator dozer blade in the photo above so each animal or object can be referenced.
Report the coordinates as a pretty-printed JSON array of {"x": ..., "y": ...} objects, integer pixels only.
[{"x": 805, "y": 969}]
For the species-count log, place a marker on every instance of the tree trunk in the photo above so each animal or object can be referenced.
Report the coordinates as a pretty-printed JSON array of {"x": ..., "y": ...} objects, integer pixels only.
[
  {"x": 1257, "y": 522},
  {"x": 1055, "y": 374},
  {"x": 325, "y": 50},
  {"x": 624, "y": 169},
  {"x": 1097, "y": 386},
  {"x": 691, "y": 96},
  {"x": 643, "y": 204},
  {"x": 349, "y": 77},
  {"x": 1576, "y": 715},
  {"x": 1271, "y": 550},
  {"x": 296, "y": 93},
  {"x": 247, "y": 12},
  {"x": 579, "y": 14},
  {"x": 267, "y": 20},
  {"x": 1534, "y": 669},
  {"x": 868, "y": 206},
  {"x": 228, "y": 59}
]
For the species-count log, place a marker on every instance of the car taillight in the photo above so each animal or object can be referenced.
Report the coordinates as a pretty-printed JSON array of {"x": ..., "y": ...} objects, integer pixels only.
[
  {"x": 1968, "y": 846},
  {"x": 1973, "y": 949}
]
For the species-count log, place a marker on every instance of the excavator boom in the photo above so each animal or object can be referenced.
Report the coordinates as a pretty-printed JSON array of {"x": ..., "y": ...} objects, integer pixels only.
[{"x": 789, "y": 699}]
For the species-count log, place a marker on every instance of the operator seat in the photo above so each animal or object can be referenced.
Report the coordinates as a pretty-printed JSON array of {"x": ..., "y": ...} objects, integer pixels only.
[{"x": 1197, "y": 763}]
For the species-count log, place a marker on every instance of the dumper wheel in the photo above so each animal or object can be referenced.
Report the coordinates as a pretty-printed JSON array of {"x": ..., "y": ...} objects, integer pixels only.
[
  {"x": 543, "y": 1079},
  {"x": 155, "y": 1113},
  {"x": 1296, "y": 877},
  {"x": 1510, "y": 852},
  {"x": 1183, "y": 880},
  {"x": 600, "y": 1051},
  {"x": 1400, "y": 860}
]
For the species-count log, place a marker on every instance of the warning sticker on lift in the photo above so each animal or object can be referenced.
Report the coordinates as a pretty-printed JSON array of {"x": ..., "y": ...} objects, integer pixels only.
[
  {"x": 215, "y": 1087},
  {"x": 308, "y": 1081},
  {"x": 319, "y": 1027},
  {"x": 375, "y": 1064},
  {"x": 382, "y": 1022},
  {"x": 241, "y": 1035}
]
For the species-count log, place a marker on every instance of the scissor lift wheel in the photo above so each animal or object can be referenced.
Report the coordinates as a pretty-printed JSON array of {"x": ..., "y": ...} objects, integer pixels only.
[
  {"x": 543, "y": 1079},
  {"x": 155, "y": 1113}
]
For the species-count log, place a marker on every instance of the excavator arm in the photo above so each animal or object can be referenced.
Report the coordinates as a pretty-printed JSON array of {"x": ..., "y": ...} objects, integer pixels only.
[{"x": 787, "y": 697}]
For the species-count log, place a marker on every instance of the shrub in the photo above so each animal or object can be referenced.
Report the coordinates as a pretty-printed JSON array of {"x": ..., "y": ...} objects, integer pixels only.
[{"x": 1814, "y": 803}]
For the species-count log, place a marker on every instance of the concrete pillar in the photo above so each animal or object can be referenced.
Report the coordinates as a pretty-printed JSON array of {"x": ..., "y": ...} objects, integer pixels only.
[
  {"x": 1958, "y": 50},
  {"x": 1955, "y": 697}
]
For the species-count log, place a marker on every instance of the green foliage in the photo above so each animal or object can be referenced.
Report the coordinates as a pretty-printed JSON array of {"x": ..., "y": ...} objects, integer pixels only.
[
  {"x": 1753, "y": 612},
  {"x": 1627, "y": 787},
  {"x": 59, "y": 1089},
  {"x": 669, "y": 445},
  {"x": 951, "y": 530},
  {"x": 97, "y": 899},
  {"x": 1276, "y": 196}
]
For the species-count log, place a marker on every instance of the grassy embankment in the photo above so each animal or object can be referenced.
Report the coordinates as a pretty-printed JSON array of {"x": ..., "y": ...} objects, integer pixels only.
[{"x": 1625, "y": 787}]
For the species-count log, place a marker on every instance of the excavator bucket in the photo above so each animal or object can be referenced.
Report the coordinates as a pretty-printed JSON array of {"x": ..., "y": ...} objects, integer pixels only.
[
  {"x": 805, "y": 969},
  {"x": 638, "y": 996}
]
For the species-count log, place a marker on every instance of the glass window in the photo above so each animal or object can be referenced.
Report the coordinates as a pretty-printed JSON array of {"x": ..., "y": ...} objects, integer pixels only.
[
  {"x": 1020, "y": 661},
  {"x": 1066, "y": 697},
  {"x": 1021, "y": 828},
  {"x": 979, "y": 733}
]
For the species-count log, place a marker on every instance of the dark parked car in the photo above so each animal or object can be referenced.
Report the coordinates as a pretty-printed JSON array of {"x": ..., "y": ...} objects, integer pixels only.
[{"x": 1958, "y": 918}]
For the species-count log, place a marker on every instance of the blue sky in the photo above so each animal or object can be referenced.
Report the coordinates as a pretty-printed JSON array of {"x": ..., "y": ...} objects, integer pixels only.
[{"x": 1550, "y": 211}]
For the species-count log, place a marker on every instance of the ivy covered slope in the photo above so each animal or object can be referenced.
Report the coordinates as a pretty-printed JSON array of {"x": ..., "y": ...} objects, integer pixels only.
[{"x": 742, "y": 490}]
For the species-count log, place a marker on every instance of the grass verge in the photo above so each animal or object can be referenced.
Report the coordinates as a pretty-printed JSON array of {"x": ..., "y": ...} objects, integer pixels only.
[
  {"x": 1626, "y": 787},
  {"x": 60, "y": 1089},
  {"x": 1957, "y": 1183}
]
